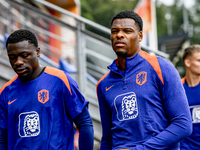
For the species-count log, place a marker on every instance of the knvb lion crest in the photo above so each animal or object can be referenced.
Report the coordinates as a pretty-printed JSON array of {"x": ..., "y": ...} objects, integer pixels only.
[
  {"x": 196, "y": 114},
  {"x": 43, "y": 96},
  {"x": 141, "y": 78},
  {"x": 29, "y": 124},
  {"x": 126, "y": 106},
  {"x": 129, "y": 107}
]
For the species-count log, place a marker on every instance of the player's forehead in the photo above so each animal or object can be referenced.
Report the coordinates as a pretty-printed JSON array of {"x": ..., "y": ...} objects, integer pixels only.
[
  {"x": 124, "y": 23},
  {"x": 23, "y": 46}
]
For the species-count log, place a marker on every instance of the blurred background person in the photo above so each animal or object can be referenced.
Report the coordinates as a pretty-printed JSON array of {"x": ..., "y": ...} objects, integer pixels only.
[{"x": 191, "y": 59}]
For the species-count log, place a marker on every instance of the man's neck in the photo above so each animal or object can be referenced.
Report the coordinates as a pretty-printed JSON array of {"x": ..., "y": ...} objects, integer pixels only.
[
  {"x": 192, "y": 80},
  {"x": 122, "y": 63}
]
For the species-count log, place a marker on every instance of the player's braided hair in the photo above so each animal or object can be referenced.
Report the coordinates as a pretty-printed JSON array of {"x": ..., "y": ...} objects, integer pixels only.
[
  {"x": 129, "y": 14},
  {"x": 22, "y": 35}
]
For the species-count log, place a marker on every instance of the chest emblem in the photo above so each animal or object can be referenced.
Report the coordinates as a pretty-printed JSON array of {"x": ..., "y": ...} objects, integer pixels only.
[
  {"x": 29, "y": 124},
  {"x": 126, "y": 106},
  {"x": 43, "y": 96},
  {"x": 196, "y": 114},
  {"x": 141, "y": 78}
]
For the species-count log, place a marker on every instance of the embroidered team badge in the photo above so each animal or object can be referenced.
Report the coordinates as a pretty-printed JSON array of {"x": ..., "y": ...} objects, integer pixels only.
[
  {"x": 43, "y": 96},
  {"x": 29, "y": 124},
  {"x": 196, "y": 114},
  {"x": 126, "y": 106},
  {"x": 141, "y": 78}
]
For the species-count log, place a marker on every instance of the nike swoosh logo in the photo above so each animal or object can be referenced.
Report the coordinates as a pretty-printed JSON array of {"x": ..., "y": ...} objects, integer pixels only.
[
  {"x": 10, "y": 102},
  {"x": 109, "y": 87}
]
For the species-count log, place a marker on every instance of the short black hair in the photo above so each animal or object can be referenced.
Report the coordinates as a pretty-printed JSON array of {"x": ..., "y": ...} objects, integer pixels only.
[
  {"x": 22, "y": 35},
  {"x": 129, "y": 14}
]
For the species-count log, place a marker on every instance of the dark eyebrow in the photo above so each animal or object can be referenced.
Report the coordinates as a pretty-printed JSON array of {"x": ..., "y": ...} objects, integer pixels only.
[
  {"x": 19, "y": 53},
  {"x": 125, "y": 28}
]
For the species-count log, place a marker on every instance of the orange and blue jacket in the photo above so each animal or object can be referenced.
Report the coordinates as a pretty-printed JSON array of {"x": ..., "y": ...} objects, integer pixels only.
[{"x": 143, "y": 107}]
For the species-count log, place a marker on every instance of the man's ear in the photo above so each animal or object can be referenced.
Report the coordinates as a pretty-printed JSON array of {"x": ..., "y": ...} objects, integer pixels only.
[
  {"x": 38, "y": 52},
  {"x": 140, "y": 36},
  {"x": 187, "y": 62}
]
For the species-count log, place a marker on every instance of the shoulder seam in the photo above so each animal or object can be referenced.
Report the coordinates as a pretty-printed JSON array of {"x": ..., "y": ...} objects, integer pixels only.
[
  {"x": 153, "y": 60},
  {"x": 102, "y": 79},
  {"x": 8, "y": 83},
  {"x": 60, "y": 74}
]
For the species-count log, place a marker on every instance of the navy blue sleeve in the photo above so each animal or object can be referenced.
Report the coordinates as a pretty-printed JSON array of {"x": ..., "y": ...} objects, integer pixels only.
[
  {"x": 86, "y": 133},
  {"x": 3, "y": 139}
]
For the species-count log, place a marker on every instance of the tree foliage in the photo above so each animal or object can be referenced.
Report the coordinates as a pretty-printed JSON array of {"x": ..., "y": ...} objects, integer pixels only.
[
  {"x": 102, "y": 11},
  {"x": 169, "y": 18},
  {"x": 194, "y": 17},
  {"x": 161, "y": 10}
]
